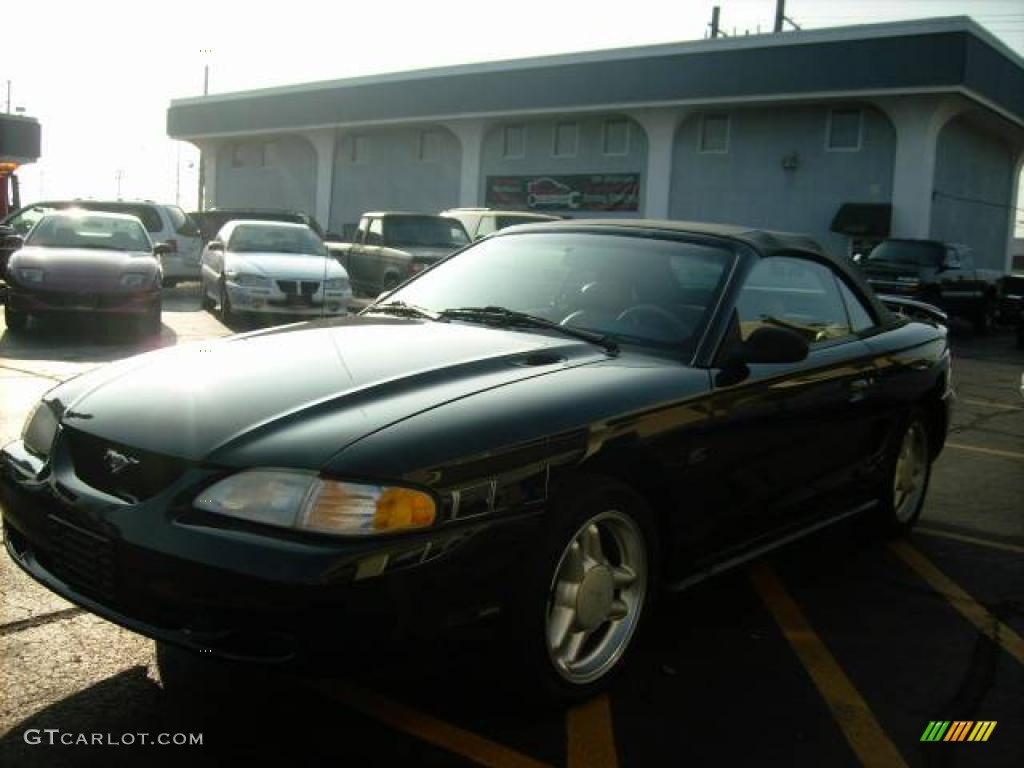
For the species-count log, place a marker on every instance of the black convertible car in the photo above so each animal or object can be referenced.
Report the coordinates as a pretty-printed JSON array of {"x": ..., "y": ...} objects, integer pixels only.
[{"x": 542, "y": 429}]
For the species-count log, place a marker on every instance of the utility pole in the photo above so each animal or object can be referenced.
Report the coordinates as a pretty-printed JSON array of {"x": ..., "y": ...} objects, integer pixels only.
[
  {"x": 177, "y": 177},
  {"x": 119, "y": 174},
  {"x": 780, "y": 14},
  {"x": 202, "y": 165},
  {"x": 714, "y": 21},
  {"x": 8, "y": 97}
]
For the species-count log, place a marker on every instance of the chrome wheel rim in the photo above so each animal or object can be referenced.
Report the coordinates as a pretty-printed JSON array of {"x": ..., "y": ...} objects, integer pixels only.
[
  {"x": 596, "y": 597},
  {"x": 911, "y": 469}
]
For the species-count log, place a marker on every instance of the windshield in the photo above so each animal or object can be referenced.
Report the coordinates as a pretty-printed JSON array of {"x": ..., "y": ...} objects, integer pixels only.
[
  {"x": 424, "y": 232},
  {"x": 269, "y": 238},
  {"x": 921, "y": 254},
  {"x": 634, "y": 289},
  {"x": 96, "y": 231}
]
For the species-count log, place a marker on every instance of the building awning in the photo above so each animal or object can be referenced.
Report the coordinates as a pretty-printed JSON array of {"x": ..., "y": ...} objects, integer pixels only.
[{"x": 863, "y": 219}]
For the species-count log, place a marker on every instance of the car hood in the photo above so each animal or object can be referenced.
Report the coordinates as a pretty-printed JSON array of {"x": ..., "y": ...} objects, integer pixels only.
[
  {"x": 291, "y": 265},
  {"x": 82, "y": 268},
  {"x": 298, "y": 395}
]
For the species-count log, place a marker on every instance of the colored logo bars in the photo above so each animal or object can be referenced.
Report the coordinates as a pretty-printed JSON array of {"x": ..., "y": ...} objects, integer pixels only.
[{"x": 959, "y": 730}]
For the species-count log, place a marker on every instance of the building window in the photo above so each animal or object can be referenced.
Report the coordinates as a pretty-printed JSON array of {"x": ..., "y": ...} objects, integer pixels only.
[
  {"x": 248, "y": 155},
  {"x": 714, "y": 134},
  {"x": 360, "y": 149},
  {"x": 513, "y": 142},
  {"x": 845, "y": 127},
  {"x": 430, "y": 146},
  {"x": 616, "y": 137},
  {"x": 566, "y": 139}
]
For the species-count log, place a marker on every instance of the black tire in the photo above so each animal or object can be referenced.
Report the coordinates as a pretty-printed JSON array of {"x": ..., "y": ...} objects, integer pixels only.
[
  {"x": 151, "y": 323},
  {"x": 224, "y": 304},
  {"x": 897, "y": 511},
  {"x": 585, "y": 498},
  {"x": 985, "y": 317},
  {"x": 16, "y": 321}
]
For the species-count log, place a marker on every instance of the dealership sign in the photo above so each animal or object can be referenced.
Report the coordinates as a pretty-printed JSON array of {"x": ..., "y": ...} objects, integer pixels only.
[{"x": 583, "y": 192}]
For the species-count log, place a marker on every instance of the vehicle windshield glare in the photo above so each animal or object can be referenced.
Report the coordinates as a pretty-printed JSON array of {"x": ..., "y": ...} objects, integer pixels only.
[
  {"x": 424, "y": 232},
  {"x": 264, "y": 238},
  {"x": 657, "y": 292},
  {"x": 99, "y": 232},
  {"x": 921, "y": 254}
]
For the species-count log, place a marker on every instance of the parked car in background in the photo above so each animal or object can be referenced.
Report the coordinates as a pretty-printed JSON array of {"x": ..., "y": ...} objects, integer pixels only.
[
  {"x": 483, "y": 221},
  {"x": 391, "y": 246},
  {"x": 936, "y": 273},
  {"x": 166, "y": 224},
  {"x": 271, "y": 267},
  {"x": 211, "y": 220},
  {"x": 86, "y": 263},
  {"x": 10, "y": 241},
  {"x": 542, "y": 430}
]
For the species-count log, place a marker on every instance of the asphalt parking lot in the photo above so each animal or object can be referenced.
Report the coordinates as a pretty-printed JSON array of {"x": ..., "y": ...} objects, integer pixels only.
[{"x": 839, "y": 650}]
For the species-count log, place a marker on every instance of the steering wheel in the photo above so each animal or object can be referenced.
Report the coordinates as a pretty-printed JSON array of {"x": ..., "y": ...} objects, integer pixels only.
[{"x": 651, "y": 315}]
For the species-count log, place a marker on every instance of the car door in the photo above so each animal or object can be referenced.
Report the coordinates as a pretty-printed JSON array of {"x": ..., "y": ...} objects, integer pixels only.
[{"x": 788, "y": 438}]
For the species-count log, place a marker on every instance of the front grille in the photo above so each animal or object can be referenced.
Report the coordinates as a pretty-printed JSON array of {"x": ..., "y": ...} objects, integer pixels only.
[
  {"x": 96, "y": 463},
  {"x": 296, "y": 287},
  {"x": 82, "y": 558}
]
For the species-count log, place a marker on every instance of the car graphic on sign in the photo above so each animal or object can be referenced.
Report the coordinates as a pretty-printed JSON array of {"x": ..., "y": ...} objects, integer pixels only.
[{"x": 549, "y": 193}]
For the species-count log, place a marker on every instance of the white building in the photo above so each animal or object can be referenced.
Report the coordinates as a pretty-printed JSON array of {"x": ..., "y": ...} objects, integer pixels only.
[{"x": 914, "y": 129}]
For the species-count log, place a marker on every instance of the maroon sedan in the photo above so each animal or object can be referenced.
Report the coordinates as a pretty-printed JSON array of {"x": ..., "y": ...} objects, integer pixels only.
[{"x": 85, "y": 262}]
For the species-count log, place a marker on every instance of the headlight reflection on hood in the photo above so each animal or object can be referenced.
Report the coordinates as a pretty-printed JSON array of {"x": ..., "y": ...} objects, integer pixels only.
[
  {"x": 305, "y": 501},
  {"x": 40, "y": 429}
]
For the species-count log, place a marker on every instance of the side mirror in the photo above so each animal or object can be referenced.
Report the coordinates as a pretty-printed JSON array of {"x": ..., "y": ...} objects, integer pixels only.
[
  {"x": 161, "y": 249},
  {"x": 215, "y": 245},
  {"x": 773, "y": 345}
]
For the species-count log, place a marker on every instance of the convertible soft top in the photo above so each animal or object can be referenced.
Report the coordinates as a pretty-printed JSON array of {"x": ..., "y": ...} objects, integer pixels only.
[{"x": 765, "y": 242}]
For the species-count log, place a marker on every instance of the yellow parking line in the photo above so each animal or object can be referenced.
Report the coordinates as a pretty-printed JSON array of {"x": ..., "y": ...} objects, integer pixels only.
[
  {"x": 968, "y": 607},
  {"x": 591, "y": 736},
  {"x": 858, "y": 723},
  {"x": 989, "y": 451},
  {"x": 970, "y": 539},
  {"x": 429, "y": 729}
]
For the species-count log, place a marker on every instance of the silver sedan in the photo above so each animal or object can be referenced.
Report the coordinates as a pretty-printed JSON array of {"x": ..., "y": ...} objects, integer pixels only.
[{"x": 272, "y": 267}]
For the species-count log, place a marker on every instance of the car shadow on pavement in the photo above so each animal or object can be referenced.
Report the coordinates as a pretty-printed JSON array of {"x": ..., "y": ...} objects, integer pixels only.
[{"x": 87, "y": 340}]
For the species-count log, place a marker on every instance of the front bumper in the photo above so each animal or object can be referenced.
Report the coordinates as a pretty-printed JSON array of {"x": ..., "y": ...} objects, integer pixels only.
[
  {"x": 164, "y": 570},
  {"x": 180, "y": 267},
  {"x": 91, "y": 302},
  {"x": 276, "y": 302}
]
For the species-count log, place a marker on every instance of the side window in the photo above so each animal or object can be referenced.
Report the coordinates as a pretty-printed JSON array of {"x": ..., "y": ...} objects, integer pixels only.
[
  {"x": 27, "y": 219},
  {"x": 952, "y": 259},
  {"x": 376, "y": 234},
  {"x": 360, "y": 233},
  {"x": 793, "y": 293},
  {"x": 486, "y": 226},
  {"x": 861, "y": 318}
]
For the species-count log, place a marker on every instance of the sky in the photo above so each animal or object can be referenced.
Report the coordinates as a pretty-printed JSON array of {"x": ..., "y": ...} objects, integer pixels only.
[{"x": 99, "y": 76}]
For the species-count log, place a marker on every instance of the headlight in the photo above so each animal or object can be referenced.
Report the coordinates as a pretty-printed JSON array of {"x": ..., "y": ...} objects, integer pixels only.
[
  {"x": 40, "y": 429},
  {"x": 133, "y": 280},
  {"x": 30, "y": 275},
  {"x": 337, "y": 284},
  {"x": 251, "y": 281},
  {"x": 305, "y": 501}
]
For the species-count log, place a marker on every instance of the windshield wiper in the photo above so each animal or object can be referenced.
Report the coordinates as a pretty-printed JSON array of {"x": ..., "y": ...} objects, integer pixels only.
[
  {"x": 505, "y": 316},
  {"x": 402, "y": 309}
]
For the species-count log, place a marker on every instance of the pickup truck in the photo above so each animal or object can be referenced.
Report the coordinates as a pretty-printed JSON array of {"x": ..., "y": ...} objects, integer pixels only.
[
  {"x": 936, "y": 273},
  {"x": 390, "y": 246}
]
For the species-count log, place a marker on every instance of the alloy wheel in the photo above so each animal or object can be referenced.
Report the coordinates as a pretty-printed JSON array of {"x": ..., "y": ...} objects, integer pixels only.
[
  {"x": 911, "y": 473},
  {"x": 596, "y": 597}
]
